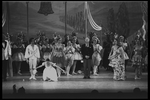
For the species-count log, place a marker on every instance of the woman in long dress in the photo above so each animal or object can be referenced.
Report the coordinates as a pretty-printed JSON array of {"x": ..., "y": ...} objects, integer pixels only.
[
  {"x": 96, "y": 57},
  {"x": 49, "y": 73},
  {"x": 137, "y": 60},
  {"x": 58, "y": 55},
  {"x": 77, "y": 54},
  {"x": 117, "y": 61},
  {"x": 69, "y": 50}
]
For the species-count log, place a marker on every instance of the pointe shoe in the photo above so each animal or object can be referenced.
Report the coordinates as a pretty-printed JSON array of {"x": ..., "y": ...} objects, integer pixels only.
[
  {"x": 31, "y": 78},
  {"x": 69, "y": 75},
  {"x": 95, "y": 74},
  {"x": 137, "y": 78},
  {"x": 34, "y": 78},
  {"x": 74, "y": 73},
  {"x": 19, "y": 73}
]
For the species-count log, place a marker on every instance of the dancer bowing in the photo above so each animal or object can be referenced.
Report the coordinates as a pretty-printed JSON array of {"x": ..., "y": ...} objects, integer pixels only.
[
  {"x": 49, "y": 73},
  {"x": 69, "y": 51},
  {"x": 58, "y": 55},
  {"x": 32, "y": 55},
  {"x": 96, "y": 57}
]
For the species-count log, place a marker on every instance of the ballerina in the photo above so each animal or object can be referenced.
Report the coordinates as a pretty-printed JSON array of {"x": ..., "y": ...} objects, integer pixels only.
[
  {"x": 96, "y": 57},
  {"x": 49, "y": 73},
  {"x": 69, "y": 50}
]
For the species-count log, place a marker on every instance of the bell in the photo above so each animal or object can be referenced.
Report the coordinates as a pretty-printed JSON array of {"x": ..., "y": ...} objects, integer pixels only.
[{"x": 46, "y": 8}]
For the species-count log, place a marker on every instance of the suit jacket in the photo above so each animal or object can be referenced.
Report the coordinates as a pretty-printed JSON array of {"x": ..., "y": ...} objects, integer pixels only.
[{"x": 87, "y": 51}]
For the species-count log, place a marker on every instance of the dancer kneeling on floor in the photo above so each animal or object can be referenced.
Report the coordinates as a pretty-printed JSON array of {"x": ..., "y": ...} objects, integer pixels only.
[{"x": 49, "y": 73}]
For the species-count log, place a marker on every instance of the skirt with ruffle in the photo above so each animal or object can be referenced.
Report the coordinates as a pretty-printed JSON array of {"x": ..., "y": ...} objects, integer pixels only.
[
  {"x": 137, "y": 60},
  {"x": 50, "y": 73},
  {"x": 58, "y": 60},
  {"x": 77, "y": 56},
  {"x": 18, "y": 57}
]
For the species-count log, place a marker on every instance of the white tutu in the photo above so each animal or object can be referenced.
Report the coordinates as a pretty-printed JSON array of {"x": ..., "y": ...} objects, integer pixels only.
[
  {"x": 77, "y": 56},
  {"x": 50, "y": 72},
  {"x": 19, "y": 56}
]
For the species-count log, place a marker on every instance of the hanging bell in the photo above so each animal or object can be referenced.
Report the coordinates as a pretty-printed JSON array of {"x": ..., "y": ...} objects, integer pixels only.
[{"x": 46, "y": 8}]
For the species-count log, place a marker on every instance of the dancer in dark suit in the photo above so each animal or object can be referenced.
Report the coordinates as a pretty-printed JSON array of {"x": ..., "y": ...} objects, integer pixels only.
[{"x": 87, "y": 52}]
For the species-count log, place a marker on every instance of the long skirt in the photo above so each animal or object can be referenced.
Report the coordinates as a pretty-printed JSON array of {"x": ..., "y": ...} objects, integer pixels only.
[
  {"x": 50, "y": 73},
  {"x": 18, "y": 57},
  {"x": 119, "y": 69},
  {"x": 96, "y": 58}
]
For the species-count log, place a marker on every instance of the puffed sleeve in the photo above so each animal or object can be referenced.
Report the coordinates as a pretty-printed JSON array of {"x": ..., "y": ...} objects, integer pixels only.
[
  {"x": 37, "y": 54},
  {"x": 27, "y": 55}
]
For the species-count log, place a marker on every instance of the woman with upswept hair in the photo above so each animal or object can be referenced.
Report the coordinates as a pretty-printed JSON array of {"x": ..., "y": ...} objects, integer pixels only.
[
  {"x": 96, "y": 57},
  {"x": 58, "y": 55},
  {"x": 117, "y": 61}
]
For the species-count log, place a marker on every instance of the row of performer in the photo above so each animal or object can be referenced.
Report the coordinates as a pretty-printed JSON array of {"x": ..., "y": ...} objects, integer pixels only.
[{"x": 60, "y": 55}]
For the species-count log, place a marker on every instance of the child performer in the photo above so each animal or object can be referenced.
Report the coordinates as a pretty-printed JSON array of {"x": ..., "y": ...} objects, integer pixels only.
[
  {"x": 49, "y": 73},
  {"x": 32, "y": 55}
]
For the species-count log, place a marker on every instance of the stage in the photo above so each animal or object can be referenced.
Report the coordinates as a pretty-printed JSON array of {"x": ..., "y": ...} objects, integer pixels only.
[{"x": 76, "y": 84}]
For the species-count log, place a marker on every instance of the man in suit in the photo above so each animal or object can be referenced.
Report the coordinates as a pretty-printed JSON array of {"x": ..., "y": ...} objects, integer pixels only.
[{"x": 87, "y": 52}]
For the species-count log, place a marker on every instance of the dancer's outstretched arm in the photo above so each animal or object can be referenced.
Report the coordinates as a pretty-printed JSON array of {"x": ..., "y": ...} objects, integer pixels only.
[
  {"x": 58, "y": 67},
  {"x": 40, "y": 66}
]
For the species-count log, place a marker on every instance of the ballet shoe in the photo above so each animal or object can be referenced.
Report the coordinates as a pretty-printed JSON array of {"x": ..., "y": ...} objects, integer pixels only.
[
  {"x": 34, "y": 78},
  {"x": 31, "y": 78},
  {"x": 95, "y": 74},
  {"x": 74, "y": 73},
  {"x": 19, "y": 73}
]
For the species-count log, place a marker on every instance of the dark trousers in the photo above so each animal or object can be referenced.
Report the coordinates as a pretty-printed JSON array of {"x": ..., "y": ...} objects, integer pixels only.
[
  {"x": 5, "y": 67},
  {"x": 126, "y": 62},
  {"x": 87, "y": 66}
]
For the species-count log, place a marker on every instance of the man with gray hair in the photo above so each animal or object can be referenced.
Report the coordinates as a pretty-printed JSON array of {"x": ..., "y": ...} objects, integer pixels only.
[{"x": 87, "y": 52}]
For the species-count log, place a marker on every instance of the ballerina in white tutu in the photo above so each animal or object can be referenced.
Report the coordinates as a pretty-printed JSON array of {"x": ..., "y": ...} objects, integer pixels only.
[{"x": 49, "y": 73}]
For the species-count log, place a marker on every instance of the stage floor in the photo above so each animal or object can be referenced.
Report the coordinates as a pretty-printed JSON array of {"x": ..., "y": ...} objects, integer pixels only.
[{"x": 76, "y": 84}]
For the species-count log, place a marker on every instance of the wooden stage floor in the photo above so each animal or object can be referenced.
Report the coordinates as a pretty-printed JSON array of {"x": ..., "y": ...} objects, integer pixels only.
[{"x": 75, "y": 84}]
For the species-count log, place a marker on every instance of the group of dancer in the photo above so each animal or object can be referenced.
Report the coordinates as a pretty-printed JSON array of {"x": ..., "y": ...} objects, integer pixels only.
[{"x": 61, "y": 56}]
